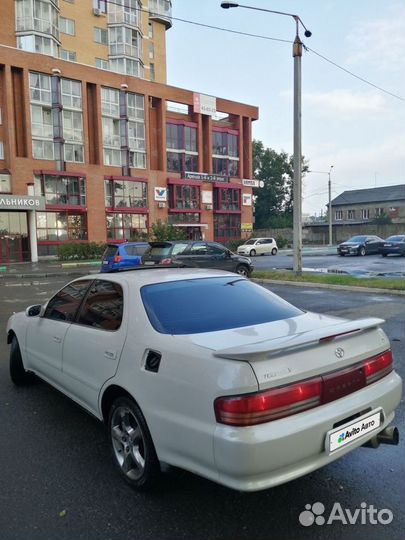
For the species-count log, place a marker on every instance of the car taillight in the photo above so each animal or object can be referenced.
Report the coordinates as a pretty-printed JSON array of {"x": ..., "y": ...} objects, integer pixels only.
[
  {"x": 268, "y": 405},
  {"x": 377, "y": 367},
  {"x": 167, "y": 260},
  {"x": 253, "y": 409},
  {"x": 117, "y": 258}
]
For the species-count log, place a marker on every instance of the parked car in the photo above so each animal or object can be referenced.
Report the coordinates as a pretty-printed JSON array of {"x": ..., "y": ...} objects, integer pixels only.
[
  {"x": 258, "y": 246},
  {"x": 196, "y": 254},
  {"x": 210, "y": 372},
  {"x": 118, "y": 256},
  {"x": 394, "y": 245},
  {"x": 361, "y": 245}
]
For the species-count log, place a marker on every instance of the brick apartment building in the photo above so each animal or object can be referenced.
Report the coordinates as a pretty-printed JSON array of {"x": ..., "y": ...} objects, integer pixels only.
[{"x": 90, "y": 154}]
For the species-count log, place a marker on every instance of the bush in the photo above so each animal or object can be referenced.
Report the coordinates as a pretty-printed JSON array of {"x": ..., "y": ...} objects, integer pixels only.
[
  {"x": 234, "y": 244},
  {"x": 163, "y": 231},
  {"x": 80, "y": 251},
  {"x": 281, "y": 242}
]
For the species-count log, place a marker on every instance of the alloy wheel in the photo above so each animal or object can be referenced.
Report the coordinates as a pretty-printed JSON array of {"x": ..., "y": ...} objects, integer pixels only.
[{"x": 128, "y": 442}]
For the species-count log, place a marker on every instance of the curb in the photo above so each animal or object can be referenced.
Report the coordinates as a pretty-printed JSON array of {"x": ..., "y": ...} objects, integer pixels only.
[
  {"x": 352, "y": 288},
  {"x": 45, "y": 275}
]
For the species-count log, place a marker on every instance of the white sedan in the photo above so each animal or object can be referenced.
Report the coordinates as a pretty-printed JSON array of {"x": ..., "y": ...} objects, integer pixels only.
[{"x": 207, "y": 371}]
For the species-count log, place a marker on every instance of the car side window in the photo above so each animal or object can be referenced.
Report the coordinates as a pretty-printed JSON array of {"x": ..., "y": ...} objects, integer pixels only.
[
  {"x": 64, "y": 305},
  {"x": 199, "y": 248},
  {"x": 103, "y": 306},
  {"x": 130, "y": 250},
  {"x": 179, "y": 248},
  {"x": 212, "y": 249},
  {"x": 268, "y": 241}
]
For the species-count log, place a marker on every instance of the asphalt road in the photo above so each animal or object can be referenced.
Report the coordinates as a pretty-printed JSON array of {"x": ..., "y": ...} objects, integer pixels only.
[
  {"x": 370, "y": 264},
  {"x": 58, "y": 479}
]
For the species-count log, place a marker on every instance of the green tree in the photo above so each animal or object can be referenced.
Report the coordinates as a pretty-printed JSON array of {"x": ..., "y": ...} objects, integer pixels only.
[
  {"x": 163, "y": 231},
  {"x": 274, "y": 202}
]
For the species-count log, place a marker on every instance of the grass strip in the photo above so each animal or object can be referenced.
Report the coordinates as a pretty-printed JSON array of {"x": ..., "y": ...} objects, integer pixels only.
[{"x": 332, "y": 279}]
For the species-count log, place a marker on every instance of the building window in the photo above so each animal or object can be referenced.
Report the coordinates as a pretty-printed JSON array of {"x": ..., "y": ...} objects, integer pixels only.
[
  {"x": 184, "y": 217},
  {"x": 225, "y": 153},
  {"x": 41, "y": 116},
  {"x": 150, "y": 30},
  {"x": 72, "y": 120},
  {"x": 338, "y": 215},
  {"x": 365, "y": 213},
  {"x": 184, "y": 197},
  {"x": 152, "y": 72},
  {"x": 125, "y": 12},
  {"x": 67, "y": 26},
  {"x": 124, "y": 41},
  {"x": 126, "y": 194},
  {"x": 226, "y": 227},
  {"x": 379, "y": 212},
  {"x": 37, "y": 16},
  {"x": 1, "y": 150},
  {"x": 151, "y": 48},
  {"x": 111, "y": 128},
  {"x": 101, "y": 63},
  {"x": 5, "y": 183},
  {"x": 351, "y": 214},
  {"x": 226, "y": 199},
  {"x": 181, "y": 147},
  {"x": 127, "y": 66},
  {"x": 126, "y": 226},
  {"x": 61, "y": 226},
  {"x": 101, "y": 5},
  {"x": 67, "y": 55},
  {"x": 100, "y": 35},
  {"x": 60, "y": 190}
]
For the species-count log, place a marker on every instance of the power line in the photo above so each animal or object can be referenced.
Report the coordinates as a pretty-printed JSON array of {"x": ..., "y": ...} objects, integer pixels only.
[{"x": 268, "y": 38}]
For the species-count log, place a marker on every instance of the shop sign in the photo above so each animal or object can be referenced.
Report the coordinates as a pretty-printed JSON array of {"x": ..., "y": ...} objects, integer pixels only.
[
  {"x": 246, "y": 227},
  {"x": 21, "y": 202},
  {"x": 204, "y": 104},
  {"x": 160, "y": 194},
  {"x": 205, "y": 177},
  {"x": 250, "y": 183},
  {"x": 206, "y": 196},
  {"x": 246, "y": 199}
]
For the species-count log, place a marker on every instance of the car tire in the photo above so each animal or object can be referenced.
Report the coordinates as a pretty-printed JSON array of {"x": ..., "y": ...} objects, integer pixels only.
[
  {"x": 383, "y": 254},
  {"x": 243, "y": 270},
  {"x": 362, "y": 251},
  {"x": 342, "y": 254},
  {"x": 252, "y": 253},
  {"x": 131, "y": 443},
  {"x": 18, "y": 375},
  {"x": 274, "y": 251}
]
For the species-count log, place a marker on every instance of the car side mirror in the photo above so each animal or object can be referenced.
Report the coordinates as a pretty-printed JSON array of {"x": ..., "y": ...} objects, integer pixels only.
[{"x": 34, "y": 311}]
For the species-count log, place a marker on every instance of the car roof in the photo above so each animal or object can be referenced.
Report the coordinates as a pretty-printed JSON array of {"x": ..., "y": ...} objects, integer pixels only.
[
  {"x": 145, "y": 276},
  {"x": 119, "y": 244}
]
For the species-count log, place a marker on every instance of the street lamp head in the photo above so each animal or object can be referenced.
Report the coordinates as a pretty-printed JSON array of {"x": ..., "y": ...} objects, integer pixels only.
[
  {"x": 227, "y": 5},
  {"x": 307, "y": 33}
]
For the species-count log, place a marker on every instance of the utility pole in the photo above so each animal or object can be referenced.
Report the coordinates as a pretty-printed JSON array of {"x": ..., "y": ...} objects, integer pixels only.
[{"x": 297, "y": 184}]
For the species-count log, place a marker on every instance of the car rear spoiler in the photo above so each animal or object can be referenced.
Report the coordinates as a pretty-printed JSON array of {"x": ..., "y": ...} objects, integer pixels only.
[{"x": 264, "y": 349}]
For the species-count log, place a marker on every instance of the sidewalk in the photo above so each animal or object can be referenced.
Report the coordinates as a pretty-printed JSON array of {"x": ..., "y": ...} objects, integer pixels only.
[{"x": 48, "y": 268}]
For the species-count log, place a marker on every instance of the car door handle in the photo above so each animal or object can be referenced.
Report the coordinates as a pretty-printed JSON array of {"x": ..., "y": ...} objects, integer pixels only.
[
  {"x": 111, "y": 355},
  {"x": 57, "y": 339}
]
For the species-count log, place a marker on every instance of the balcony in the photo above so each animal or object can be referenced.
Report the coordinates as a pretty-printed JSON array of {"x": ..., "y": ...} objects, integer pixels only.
[
  {"x": 161, "y": 11},
  {"x": 32, "y": 24},
  {"x": 123, "y": 17}
]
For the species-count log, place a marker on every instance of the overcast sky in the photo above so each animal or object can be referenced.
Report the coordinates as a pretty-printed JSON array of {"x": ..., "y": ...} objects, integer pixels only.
[{"x": 345, "y": 122}]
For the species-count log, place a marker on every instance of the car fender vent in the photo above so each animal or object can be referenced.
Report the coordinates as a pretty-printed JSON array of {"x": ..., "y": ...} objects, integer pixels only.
[{"x": 152, "y": 362}]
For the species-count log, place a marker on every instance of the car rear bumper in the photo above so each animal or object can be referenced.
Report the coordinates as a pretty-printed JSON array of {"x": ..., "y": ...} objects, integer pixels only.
[{"x": 263, "y": 456}]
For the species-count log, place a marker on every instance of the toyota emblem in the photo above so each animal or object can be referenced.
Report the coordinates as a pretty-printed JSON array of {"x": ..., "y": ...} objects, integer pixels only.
[{"x": 339, "y": 352}]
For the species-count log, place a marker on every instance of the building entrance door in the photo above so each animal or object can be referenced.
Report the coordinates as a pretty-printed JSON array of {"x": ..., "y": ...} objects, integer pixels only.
[{"x": 14, "y": 241}]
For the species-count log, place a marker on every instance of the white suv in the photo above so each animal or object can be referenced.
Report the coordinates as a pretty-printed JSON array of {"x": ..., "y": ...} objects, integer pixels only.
[{"x": 258, "y": 246}]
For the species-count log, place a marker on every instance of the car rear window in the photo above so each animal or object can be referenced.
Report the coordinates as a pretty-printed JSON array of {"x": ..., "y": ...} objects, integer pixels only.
[
  {"x": 195, "y": 306},
  {"x": 110, "y": 251}
]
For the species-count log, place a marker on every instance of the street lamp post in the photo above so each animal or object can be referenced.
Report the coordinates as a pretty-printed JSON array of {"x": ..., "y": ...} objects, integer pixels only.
[
  {"x": 297, "y": 183},
  {"x": 329, "y": 200}
]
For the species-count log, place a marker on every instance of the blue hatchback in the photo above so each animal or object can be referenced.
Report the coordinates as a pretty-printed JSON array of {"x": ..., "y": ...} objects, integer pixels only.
[{"x": 126, "y": 255}]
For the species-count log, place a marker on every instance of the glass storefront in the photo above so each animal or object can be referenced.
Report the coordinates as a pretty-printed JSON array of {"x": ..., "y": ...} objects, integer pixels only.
[{"x": 14, "y": 239}]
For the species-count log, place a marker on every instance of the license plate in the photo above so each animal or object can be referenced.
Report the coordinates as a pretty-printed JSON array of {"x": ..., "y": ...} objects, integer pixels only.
[
  {"x": 149, "y": 263},
  {"x": 346, "y": 434},
  {"x": 343, "y": 250},
  {"x": 105, "y": 262}
]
